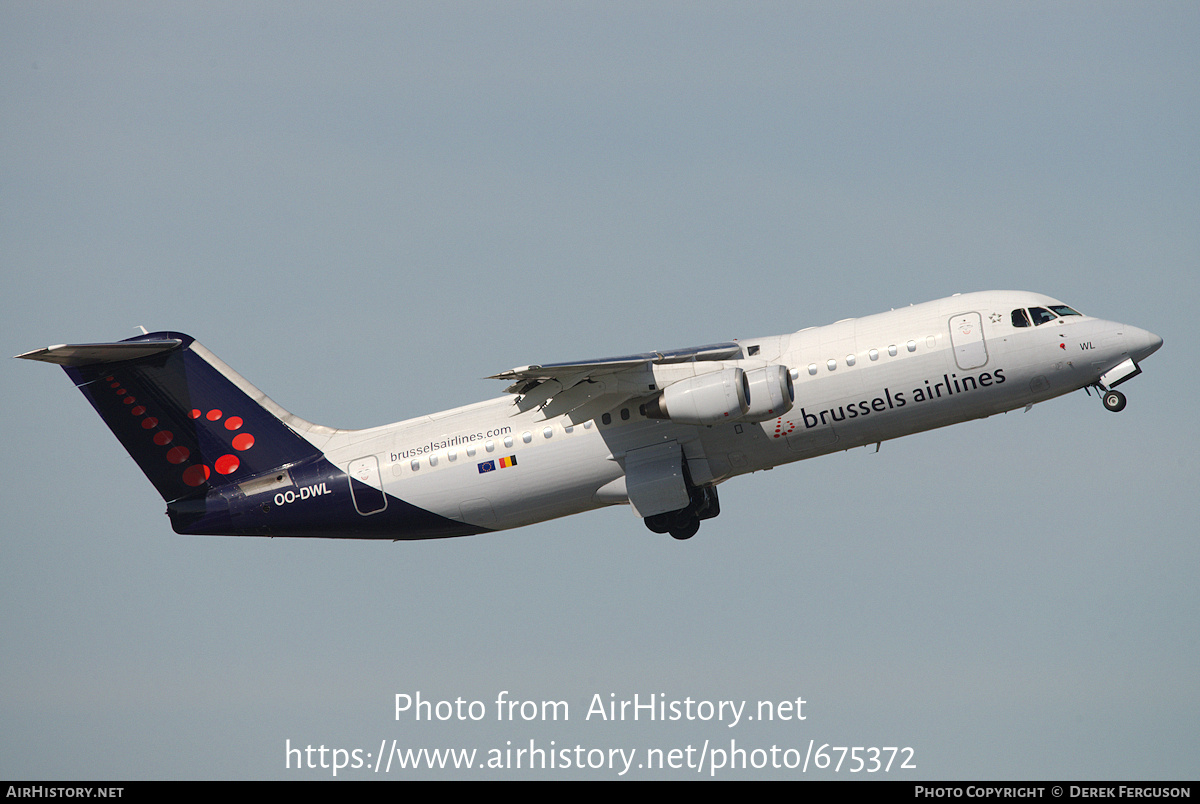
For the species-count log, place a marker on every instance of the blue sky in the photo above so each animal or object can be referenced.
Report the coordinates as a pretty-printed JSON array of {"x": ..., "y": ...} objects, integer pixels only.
[{"x": 366, "y": 209}]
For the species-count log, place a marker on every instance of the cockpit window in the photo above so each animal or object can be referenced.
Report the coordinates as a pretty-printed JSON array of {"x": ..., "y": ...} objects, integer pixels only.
[
  {"x": 1041, "y": 315},
  {"x": 1019, "y": 318},
  {"x": 1063, "y": 309}
]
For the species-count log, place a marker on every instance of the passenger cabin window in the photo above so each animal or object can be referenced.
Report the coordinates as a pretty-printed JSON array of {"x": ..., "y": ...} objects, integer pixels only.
[
  {"x": 508, "y": 442},
  {"x": 849, "y": 360},
  {"x": 547, "y": 432},
  {"x": 874, "y": 354},
  {"x": 1041, "y": 315},
  {"x": 526, "y": 436},
  {"x": 892, "y": 350},
  {"x": 831, "y": 364},
  {"x": 1020, "y": 318},
  {"x": 812, "y": 369},
  {"x": 912, "y": 346}
]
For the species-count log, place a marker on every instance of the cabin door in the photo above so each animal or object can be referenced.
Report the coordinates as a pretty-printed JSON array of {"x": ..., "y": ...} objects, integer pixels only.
[
  {"x": 966, "y": 335},
  {"x": 366, "y": 488}
]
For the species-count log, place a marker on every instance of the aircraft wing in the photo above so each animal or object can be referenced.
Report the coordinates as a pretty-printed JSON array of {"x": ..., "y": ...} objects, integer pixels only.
[{"x": 584, "y": 389}]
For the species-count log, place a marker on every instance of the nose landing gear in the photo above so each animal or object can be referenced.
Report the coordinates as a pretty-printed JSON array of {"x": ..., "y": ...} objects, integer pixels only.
[{"x": 1114, "y": 401}]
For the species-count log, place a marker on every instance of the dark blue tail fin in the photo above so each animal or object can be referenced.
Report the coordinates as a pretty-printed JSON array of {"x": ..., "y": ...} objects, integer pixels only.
[{"x": 191, "y": 423}]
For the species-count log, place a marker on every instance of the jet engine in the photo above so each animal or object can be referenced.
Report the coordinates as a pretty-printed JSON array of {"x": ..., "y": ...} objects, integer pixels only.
[
  {"x": 771, "y": 393},
  {"x": 722, "y": 396}
]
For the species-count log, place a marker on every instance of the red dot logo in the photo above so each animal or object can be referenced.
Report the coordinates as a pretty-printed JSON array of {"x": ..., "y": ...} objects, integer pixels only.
[
  {"x": 227, "y": 464},
  {"x": 195, "y": 475},
  {"x": 149, "y": 422}
]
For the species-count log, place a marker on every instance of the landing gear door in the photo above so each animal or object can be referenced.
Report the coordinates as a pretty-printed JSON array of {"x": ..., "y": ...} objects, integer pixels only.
[
  {"x": 966, "y": 333},
  {"x": 654, "y": 479}
]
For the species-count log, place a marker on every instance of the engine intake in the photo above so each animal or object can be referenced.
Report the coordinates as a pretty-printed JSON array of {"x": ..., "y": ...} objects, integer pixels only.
[{"x": 771, "y": 393}]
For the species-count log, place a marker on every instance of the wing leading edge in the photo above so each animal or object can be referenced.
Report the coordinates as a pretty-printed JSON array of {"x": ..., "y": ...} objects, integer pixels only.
[{"x": 585, "y": 389}]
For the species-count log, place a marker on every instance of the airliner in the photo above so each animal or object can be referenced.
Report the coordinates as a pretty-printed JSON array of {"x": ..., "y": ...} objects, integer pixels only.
[{"x": 657, "y": 431}]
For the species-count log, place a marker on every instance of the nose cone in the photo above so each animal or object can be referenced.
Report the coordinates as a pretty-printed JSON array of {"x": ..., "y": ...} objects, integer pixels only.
[{"x": 1141, "y": 343}]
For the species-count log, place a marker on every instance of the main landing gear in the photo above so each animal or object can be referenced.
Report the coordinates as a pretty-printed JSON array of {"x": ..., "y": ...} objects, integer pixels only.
[{"x": 684, "y": 523}]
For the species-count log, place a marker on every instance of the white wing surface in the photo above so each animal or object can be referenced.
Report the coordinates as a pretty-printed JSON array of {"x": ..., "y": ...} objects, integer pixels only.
[{"x": 585, "y": 389}]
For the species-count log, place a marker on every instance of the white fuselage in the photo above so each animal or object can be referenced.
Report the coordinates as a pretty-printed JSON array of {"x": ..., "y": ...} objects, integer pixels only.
[{"x": 858, "y": 381}]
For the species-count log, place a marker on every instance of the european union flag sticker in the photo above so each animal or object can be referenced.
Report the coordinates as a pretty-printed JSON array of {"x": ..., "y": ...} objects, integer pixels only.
[{"x": 487, "y": 466}]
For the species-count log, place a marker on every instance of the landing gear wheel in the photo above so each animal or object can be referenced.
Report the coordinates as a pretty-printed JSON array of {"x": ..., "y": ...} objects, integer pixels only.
[
  {"x": 659, "y": 523},
  {"x": 686, "y": 531},
  {"x": 1114, "y": 401}
]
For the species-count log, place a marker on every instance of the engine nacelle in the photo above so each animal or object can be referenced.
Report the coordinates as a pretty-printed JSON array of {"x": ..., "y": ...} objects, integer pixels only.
[
  {"x": 722, "y": 396},
  {"x": 771, "y": 393}
]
